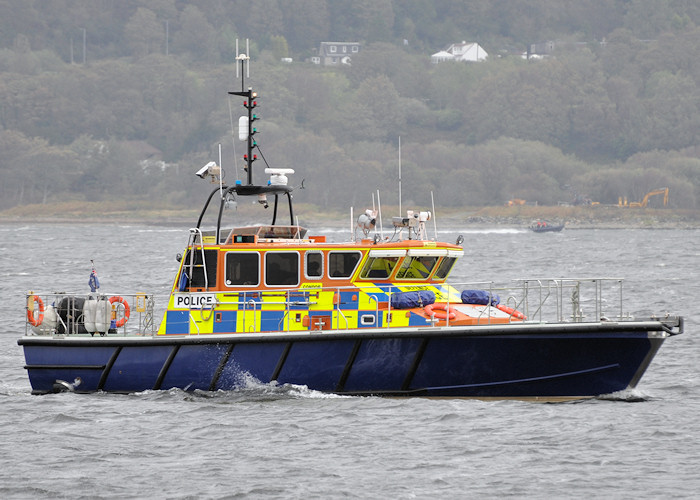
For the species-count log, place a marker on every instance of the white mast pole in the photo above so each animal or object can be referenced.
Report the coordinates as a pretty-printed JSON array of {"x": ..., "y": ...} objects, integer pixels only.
[
  {"x": 432, "y": 199},
  {"x": 221, "y": 175},
  {"x": 379, "y": 215},
  {"x": 400, "y": 212}
]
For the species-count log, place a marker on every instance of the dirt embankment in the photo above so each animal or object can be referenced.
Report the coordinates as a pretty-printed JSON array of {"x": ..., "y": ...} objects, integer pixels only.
[{"x": 596, "y": 216}]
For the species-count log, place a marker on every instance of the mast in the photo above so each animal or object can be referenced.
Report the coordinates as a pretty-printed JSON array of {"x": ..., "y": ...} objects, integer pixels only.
[
  {"x": 249, "y": 103},
  {"x": 277, "y": 184}
]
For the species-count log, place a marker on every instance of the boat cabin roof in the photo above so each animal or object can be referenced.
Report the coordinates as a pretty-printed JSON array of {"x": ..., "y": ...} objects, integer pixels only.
[
  {"x": 271, "y": 232},
  {"x": 254, "y": 234}
]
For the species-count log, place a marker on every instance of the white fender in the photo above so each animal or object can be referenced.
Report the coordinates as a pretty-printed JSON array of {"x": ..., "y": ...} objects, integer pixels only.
[
  {"x": 89, "y": 310},
  {"x": 103, "y": 315}
]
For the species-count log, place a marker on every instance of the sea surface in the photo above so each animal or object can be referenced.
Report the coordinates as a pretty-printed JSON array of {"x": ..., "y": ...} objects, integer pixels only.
[{"x": 268, "y": 441}]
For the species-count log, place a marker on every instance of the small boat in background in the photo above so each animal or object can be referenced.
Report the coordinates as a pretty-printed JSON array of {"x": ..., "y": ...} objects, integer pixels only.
[{"x": 546, "y": 227}]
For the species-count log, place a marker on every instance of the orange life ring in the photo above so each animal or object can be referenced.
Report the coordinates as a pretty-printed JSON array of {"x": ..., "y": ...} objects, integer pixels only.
[
  {"x": 30, "y": 311},
  {"x": 440, "y": 310},
  {"x": 121, "y": 321},
  {"x": 510, "y": 311}
]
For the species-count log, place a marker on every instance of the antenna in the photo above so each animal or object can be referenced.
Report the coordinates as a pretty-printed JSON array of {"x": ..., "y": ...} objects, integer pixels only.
[
  {"x": 379, "y": 207},
  {"x": 221, "y": 175},
  {"x": 400, "y": 176},
  {"x": 352, "y": 223},
  {"x": 245, "y": 60},
  {"x": 432, "y": 200}
]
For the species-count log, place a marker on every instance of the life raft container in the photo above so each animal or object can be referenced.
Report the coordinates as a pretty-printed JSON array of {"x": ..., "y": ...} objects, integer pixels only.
[
  {"x": 440, "y": 310},
  {"x": 480, "y": 297},
  {"x": 35, "y": 321},
  {"x": 408, "y": 300},
  {"x": 510, "y": 311},
  {"x": 120, "y": 300}
]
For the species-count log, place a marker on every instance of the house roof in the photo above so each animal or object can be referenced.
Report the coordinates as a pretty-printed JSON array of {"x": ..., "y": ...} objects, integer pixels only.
[
  {"x": 442, "y": 56},
  {"x": 325, "y": 48}
]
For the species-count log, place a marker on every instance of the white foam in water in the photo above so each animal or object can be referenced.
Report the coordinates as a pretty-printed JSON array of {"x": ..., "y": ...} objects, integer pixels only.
[{"x": 629, "y": 395}]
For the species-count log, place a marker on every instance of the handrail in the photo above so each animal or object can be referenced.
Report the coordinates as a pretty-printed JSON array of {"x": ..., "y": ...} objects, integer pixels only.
[
  {"x": 535, "y": 298},
  {"x": 376, "y": 307},
  {"x": 190, "y": 321},
  {"x": 64, "y": 313},
  {"x": 255, "y": 309},
  {"x": 336, "y": 307},
  {"x": 194, "y": 233}
]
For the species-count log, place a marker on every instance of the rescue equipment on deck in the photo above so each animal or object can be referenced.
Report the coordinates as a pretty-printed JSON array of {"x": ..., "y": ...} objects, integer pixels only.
[
  {"x": 511, "y": 311},
  {"x": 30, "y": 311},
  {"x": 408, "y": 300},
  {"x": 480, "y": 297},
  {"x": 441, "y": 311},
  {"x": 119, "y": 300}
]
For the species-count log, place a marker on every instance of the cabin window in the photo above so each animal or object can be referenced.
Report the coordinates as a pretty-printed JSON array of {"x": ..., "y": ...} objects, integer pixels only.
[
  {"x": 379, "y": 267},
  {"x": 242, "y": 268},
  {"x": 418, "y": 267},
  {"x": 193, "y": 269},
  {"x": 281, "y": 268},
  {"x": 342, "y": 264},
  {"x": 445, "y": 267},
  {"x": 314, "y": 264}
]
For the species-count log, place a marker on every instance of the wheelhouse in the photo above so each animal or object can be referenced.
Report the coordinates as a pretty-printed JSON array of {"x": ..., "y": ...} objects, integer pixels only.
[{"x": 287, "y": 262}]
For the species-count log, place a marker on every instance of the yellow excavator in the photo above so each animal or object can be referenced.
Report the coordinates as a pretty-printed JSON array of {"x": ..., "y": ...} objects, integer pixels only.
[{"x": 645, "y": 200}]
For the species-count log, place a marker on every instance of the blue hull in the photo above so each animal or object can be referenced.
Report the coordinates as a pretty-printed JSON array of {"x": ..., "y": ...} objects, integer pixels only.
[{"x": 575, "y": 360}]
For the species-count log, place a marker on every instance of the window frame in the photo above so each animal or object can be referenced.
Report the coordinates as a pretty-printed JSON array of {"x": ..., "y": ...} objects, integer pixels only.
[
  {"x": 281, "y": 252},
  {"x": 306, "y": 264},
  {"x": 380, "y": 254},
  {"x": 336, "y": 252},
  {"x": 226, "y": 266}
]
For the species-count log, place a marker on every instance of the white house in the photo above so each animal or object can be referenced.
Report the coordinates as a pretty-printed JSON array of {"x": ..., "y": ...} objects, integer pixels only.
[
  {"x": 441, "y": 56},
  {"x": 464, "y": 51},
  {"x": 336, "y": 53}
]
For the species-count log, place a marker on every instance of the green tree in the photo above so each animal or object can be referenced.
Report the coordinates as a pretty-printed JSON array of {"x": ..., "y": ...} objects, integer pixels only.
[
  {"x": 144, "y": 33},
  {"x": 195, "y": 36},
  {"x": 306, "y": 25},
  {"x": 374, "y": 112},
  {"x": 279, "y": 47},
  {"x": 672, "y": 105}
]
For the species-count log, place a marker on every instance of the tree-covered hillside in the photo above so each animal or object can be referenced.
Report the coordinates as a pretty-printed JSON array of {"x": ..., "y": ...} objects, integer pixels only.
[{"x": 125, "y": 99}]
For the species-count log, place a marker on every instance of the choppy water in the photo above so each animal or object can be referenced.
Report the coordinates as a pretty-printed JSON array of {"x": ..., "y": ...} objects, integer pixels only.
[{"x": 288, "y": 442}]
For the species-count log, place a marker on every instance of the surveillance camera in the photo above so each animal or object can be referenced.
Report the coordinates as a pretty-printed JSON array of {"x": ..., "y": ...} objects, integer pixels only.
[{"x": 202, "y": 172}]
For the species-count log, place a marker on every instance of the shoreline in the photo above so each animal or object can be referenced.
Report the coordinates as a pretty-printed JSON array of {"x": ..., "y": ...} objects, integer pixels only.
[
  {"x": 595, "y": 217},
  {"x": 444, "y": 222}
]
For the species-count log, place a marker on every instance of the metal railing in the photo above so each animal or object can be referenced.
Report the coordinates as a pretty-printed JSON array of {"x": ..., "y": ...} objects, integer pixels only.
[
  {"x": 539, "y": 300},
  {"x": 590, "y": 299},
  {"x": 61, "y": 313}
]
